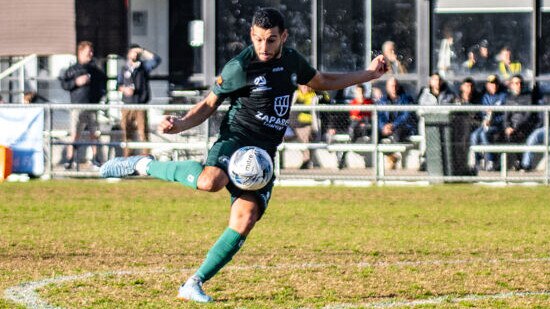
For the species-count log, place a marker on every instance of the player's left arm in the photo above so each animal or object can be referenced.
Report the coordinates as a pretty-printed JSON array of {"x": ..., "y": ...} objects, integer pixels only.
[{"x": 334, "y": 81}]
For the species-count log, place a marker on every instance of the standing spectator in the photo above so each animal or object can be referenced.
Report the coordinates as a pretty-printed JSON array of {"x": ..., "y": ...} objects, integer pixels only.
[
  {"x": 507, "y": 67},
  {"x": 517, "y": 124},
  {"x": 492, "y": 123},
  {"x": 446, "y": 54},
  {"x": 86, "y": 83},
  {"x": 360, "y": 121},
  {"x": 437, "y": 93},
  {"x": 2, "y": 100},
  {"x": 396, "y": 125},
  {"x": 303, "y": 123},
  {"x": 394, "y": 65},
  {"x": 133, "y": 82}
]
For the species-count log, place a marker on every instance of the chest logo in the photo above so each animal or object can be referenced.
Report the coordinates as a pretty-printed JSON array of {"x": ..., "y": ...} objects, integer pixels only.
[
  {"x": 260, "y": 81},
  {"x": 281, "y": 105}
]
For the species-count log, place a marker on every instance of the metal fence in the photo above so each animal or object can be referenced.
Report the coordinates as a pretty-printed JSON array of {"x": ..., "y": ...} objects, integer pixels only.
[{"x": 439, "y": 149}]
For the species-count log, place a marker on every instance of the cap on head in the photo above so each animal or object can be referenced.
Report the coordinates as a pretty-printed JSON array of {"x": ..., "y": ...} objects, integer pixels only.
[
  {"x": 267, "y": 18},
  {"x": 493, "y": 79}
]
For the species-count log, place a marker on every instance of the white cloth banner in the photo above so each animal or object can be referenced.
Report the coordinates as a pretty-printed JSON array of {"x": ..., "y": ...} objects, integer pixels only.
[{"x": 21, "y": 130}]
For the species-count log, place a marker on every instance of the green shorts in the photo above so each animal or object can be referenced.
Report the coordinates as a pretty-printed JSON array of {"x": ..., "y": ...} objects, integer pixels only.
[{"x": 219, "y": 156}]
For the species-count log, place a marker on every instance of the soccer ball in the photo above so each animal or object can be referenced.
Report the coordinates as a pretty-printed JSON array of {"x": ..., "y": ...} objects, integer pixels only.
[{"x": 250, "y": 168}]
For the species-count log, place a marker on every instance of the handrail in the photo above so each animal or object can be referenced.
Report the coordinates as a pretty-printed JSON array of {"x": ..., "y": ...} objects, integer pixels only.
[{"x": 16, "y": 66}]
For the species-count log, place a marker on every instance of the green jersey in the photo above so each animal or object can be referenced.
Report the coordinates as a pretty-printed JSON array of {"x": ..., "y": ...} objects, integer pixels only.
[{"x": 261, "y": 95}]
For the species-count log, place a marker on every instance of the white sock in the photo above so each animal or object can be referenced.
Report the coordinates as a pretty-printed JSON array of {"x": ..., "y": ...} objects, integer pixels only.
[{"x": 142, "y": 165}]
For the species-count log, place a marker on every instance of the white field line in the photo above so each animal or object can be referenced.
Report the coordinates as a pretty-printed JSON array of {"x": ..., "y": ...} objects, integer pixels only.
[
  {"x": 26, "y": 293},
  {"x": 437, "y": 300}
]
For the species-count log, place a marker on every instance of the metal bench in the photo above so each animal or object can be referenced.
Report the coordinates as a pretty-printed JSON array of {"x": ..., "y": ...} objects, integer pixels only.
[{"x": 504, "y": 149}]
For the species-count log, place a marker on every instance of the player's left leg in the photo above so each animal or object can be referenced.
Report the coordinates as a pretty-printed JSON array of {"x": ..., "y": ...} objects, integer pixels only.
[{"x": 245, "y": 212}]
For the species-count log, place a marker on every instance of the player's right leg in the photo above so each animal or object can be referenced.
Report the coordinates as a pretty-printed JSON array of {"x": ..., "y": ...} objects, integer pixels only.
[{"x": 189, "y": 173}]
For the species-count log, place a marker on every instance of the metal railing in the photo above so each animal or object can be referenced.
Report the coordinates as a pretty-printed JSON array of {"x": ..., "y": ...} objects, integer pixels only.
[
  {"x": 18, "y": 67},
  {"x": 375, "y": 149}
]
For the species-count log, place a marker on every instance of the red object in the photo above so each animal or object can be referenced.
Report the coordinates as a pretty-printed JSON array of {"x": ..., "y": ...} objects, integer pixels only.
[
  {"x": 6, "y": 161},
  {"x": 360, "y": 115}
]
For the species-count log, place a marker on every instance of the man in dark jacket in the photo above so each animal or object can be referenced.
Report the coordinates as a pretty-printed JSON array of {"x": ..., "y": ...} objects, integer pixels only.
[
  {"x": 517, "y": 124},
  {"x": 397, "y": 126},
  {"x": 133, "y": 82},
  {"x": 86, "y": 83}
]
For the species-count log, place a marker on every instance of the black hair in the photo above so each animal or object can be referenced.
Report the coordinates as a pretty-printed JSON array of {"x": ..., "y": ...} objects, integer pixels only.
[
  {"x": 133, "y": 45},
  {"x": 267, "y": 18},
  {"x": 468, "y": 80},
  {"x": 517, "y": 76}
]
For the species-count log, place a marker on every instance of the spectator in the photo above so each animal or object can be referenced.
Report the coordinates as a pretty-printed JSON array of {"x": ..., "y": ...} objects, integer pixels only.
[
  {"x": 2, "y": 99},
  {"x": 396, "y": 126},
  {"x": 438, "y": 92},
  {"x": 492, "y": 123},
  {"x": 302, "y": 125},
  {"x": 507, "y": 67},
  {"x": 462, "y": 125},
  {"x": 360, "y": 121},
  {"x": 333, "y": 123},
  {"x": 536, "y": 137},
  {"x": 86, "y": 83},
  {"x": 480, "y": 59},
  {"x": 446, "y": 54},
  {"x": 133, "y": 82},
  {"x": 394, "y": 65},
  {"x": 29, "y": 97},
  {"x": 468, "y": 93},
  {"x": 517, "y": 124}
]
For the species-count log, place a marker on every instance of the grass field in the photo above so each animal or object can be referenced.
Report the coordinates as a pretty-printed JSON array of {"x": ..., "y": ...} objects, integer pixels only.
[{"x": 450, "y": 246}]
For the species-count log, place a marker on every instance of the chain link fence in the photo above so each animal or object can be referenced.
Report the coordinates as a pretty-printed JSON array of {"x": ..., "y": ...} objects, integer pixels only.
[{"x": 434, "y": 144}]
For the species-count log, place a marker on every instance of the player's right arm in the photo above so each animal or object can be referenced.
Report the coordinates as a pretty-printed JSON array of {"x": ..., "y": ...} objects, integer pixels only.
[{"x": 197, "y": 115}]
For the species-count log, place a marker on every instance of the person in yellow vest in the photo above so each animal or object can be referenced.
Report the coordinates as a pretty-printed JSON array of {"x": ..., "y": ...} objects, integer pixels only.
[
  {"x": 303, "y": 124},
  {"x": 506, "y": 67}
]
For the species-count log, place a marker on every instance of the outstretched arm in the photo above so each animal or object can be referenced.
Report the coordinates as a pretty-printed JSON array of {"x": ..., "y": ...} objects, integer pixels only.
[
  {"x": 333, "y": 81},
  {"x": 197, "y": 115}
]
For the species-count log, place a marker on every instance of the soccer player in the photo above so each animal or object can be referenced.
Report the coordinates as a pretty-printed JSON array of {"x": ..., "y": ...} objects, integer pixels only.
[{"x": 260, "y": 82}]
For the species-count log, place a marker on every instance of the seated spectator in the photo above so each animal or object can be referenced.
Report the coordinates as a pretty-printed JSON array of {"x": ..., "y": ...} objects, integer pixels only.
[
  {"x": 360, "y": 121},
  {"x": 492, "y": 123},
  {"x": 468, "y": 93},
  {"x": 537, "y": 136},
  {"x": 462, "y": 125},
  {"x": 29, "y": 97},
  {"x": 302, "y": 124},
  {"x": 395, "y": 66},
  {"x": 397, "y": 126},
  {"x": 507, "y": 67},
  {"x": 438, "y": 92},
  {"x": 517, "y": 124}
]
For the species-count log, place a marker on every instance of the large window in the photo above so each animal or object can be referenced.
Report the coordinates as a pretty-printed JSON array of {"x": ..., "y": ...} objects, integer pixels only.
[
  {"x": 395, "y": 21},
  {"x": 544, "y": 56},
  {"x": 233, "y": 19},
  {"x": 342, "y": 35},
  {"x": 478, "y": 37}
]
